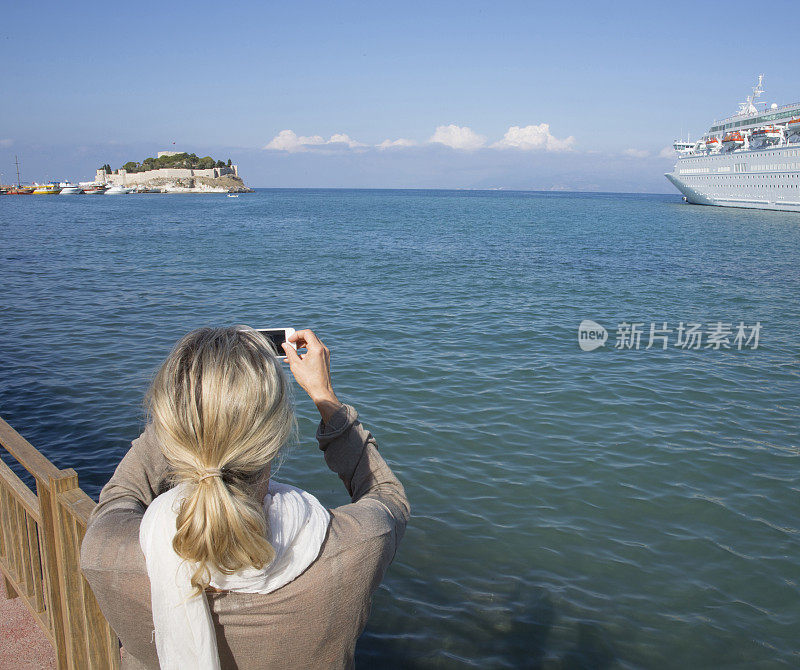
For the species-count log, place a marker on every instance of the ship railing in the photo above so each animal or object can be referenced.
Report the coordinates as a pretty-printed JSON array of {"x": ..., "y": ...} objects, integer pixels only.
[{"x": 40, "y": 541}]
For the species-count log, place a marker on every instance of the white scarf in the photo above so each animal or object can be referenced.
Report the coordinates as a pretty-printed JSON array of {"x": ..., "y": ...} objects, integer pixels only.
[{"x": 184, "y": 631}]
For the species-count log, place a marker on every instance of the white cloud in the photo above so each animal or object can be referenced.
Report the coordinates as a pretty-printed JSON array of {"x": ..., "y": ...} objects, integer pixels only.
[
  {"x": 525, "y": 138},
  {"x": 400, "y": 143},
  {"x": 636, "y": 153},
  {"x": 288, "y": 140},
  {"x": 341, "y": 138},
  {"x": 667, "y": 152},
  {"x": 458, "y": 137},
  {"x": 532, "y": 138},
  {"x": 6, "y": 142}
]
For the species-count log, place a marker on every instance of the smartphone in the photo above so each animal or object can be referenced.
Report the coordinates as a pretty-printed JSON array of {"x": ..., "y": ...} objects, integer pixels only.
[{"x": 278, "y": 336}]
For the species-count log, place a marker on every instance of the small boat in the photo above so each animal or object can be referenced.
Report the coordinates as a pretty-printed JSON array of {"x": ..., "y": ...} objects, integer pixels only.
[
  {"x": 68, "y": 188},
  {"x": 94, "y": 190},
  {"x": 712, "y": 144},
  {"x": 20, "y": 190},
  {"x": 118, "y": 190},
  {"x": 766, "y": 136},
  {"x": 46, "y": 189},
  {"x": 233, "y": 195},
  {"x": 732, "y": 140}
]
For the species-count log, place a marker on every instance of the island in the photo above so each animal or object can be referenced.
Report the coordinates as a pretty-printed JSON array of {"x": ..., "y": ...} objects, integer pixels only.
[{"x": 175, "y": 172}]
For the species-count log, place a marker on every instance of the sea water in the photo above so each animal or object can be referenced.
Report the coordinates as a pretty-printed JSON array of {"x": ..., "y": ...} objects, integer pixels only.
[{"x": 626, "y": 507}]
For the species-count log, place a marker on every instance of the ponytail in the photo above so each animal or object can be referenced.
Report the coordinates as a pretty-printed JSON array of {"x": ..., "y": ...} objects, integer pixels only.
[{"x": 219, "y": 524}]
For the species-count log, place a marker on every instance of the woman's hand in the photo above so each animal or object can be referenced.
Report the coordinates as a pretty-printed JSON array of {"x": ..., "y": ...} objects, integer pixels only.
[{"x": 312, "y": 370}]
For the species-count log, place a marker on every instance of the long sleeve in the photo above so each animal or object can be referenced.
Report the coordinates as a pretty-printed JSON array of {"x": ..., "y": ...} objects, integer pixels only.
[
  {"x": 351, "y": 452},
  {"x": 139, "y": 478},
  {"x": 111, "y": 544}
]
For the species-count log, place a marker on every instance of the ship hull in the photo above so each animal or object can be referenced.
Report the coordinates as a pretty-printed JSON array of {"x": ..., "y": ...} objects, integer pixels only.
[{"x": 756, "y": 179}]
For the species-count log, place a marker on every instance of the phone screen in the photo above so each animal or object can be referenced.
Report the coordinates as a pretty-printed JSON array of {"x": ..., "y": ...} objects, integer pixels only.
[{"x": 277, "y": 337}]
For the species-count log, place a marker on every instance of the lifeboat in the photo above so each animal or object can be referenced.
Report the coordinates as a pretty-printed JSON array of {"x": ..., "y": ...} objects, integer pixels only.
[
  {"x": 712, "y": 144},
  {"x": 732, "y": 140},
  {"x": 762, "y": 137},
  {"x": 793, "y": 130}
]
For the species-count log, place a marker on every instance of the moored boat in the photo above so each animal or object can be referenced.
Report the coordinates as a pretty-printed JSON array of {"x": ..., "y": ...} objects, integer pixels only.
[
  {"x": 46, "y": 189},
  {"x": 118, "y": 190},
  {"x": 68, "y": 188}
]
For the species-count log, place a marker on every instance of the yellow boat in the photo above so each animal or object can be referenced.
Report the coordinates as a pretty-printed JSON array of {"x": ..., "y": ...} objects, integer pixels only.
[{"x": 46, "y": 189}]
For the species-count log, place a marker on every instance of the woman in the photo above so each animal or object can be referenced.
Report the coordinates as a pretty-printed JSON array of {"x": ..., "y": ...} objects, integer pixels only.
[{"x": 198, "y": 559}]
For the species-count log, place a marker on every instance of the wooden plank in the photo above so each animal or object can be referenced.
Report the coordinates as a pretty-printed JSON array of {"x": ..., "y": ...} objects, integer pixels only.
[
  {"x": 15, "y": 555},
  {"x": 3, "y": 550},
  {"x": 36, "y": 562},
  {"x": 26, "y": 577},
  {"x": 71, "y": 582},
  {"x": 28, "y": 456},
  {"x": 48, "y": 614},
  {"x": 11, "y": 592},
  {"x": 5, "y": 537},
  {"x": 19, "y": 490},
  {"x": 47, "y": 491}
]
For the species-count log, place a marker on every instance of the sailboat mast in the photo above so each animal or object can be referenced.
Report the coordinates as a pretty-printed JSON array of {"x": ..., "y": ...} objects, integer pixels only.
[{"x": 16, "y": 160}]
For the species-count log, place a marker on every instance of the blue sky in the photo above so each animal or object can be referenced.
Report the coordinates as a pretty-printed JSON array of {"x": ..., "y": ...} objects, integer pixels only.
[{"x": 595, "y": 91}]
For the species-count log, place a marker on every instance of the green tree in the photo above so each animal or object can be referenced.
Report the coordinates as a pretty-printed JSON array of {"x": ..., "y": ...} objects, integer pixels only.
[{"x": 229, "y": 162}]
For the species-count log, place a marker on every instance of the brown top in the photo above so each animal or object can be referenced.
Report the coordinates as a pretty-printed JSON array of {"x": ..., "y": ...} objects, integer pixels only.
[{"x": 312, "y": 622}]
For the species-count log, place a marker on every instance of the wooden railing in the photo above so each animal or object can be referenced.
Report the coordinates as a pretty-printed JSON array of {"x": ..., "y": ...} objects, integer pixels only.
[{"x": 40, "y": 544}]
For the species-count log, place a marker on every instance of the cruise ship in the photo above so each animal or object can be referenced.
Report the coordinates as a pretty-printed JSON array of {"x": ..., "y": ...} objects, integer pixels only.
[{"x": 750, "y": 159}]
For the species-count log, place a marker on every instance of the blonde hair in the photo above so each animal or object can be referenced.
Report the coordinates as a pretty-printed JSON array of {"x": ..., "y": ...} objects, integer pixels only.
[{"x": 221, "y": 410}]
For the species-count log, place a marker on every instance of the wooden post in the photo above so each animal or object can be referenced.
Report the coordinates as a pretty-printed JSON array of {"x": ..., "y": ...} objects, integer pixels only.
[{"x": 56, "y": 613}]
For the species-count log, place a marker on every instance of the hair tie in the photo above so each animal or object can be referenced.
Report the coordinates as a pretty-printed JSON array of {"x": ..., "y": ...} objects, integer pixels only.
[{"x": 210, "y": 472}]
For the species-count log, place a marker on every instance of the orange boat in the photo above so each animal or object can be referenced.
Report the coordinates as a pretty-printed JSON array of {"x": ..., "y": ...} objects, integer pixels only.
[{"x": 732, "y": 140}]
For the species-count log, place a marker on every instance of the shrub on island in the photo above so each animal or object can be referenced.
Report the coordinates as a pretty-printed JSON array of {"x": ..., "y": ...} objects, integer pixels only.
[{"x": 181, "y": 160}]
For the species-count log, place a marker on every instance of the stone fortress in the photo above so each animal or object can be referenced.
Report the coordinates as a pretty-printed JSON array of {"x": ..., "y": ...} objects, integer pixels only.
[{"x": 215, "y": 180}]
